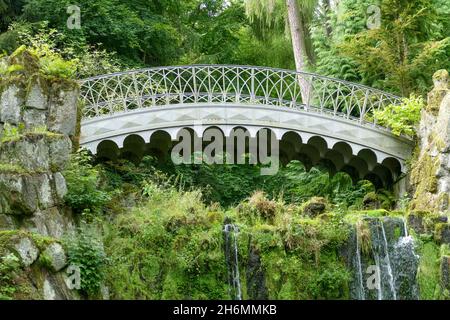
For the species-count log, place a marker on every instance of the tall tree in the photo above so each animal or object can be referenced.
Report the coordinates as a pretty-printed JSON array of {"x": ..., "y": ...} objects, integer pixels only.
[{"x": 293, "y": 13}]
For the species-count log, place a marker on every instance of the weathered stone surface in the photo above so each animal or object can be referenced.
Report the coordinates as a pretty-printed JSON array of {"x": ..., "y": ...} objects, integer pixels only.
[
  {"x": 48, "y": 290},
  {"x": 33, "y": 118},
  {"x": 60, "y": 186},
  {"x": 24, "y": 194},
  {"x": 430, "y": 174},
  {"x": 50, "y": 222},
  {"x": 442, "y": 233},
  {"x": 27, "y": 251},
  {"x": 17, "y": 196},
  {"x": 30, "y": 153},
  {"x": 63, "y": 112},
  {"x": 445, "y": 272},
  {"x": 54, "y": 287},
  {"x": 60, "y": 150},
  {"x": 10, "y": 105},
  {"x": 256, "y": 282},
  {"x": 7, "y": 222},
  {"x": 36, "y": 98},
  {"x": 57, "y": 256}
]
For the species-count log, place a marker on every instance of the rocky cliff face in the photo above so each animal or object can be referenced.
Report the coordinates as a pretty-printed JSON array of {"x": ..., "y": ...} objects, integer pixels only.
[
  {"x": 38, "y": 117},
  {"x": 430, "y": 173}
]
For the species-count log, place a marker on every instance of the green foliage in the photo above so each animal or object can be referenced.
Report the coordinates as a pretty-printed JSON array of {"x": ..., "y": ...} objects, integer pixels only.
[
  {"x": 85, "y": 251},
  {"x": 172, "y": 248},
  {"x": 428, "y": 273},
  {"x": 168, "y": 249},
  {"x": 9, "y": 133},
  {"x": 9, "y": 264},
  {"x": 403, "y": 118},
  {"x": 83, "y": 181},
  {"x": 403, "y": 63}
]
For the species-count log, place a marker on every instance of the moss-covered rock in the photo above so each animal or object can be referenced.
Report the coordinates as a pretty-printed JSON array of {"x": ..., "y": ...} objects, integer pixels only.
[
  {"x": 315, "y": 206},
  {"x": 430, "y": 172}
]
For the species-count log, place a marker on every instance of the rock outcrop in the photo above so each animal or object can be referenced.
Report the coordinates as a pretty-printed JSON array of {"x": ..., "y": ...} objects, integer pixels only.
[
  {"x": 430, "y": 173},
  {"x": 38, "y": 119}
]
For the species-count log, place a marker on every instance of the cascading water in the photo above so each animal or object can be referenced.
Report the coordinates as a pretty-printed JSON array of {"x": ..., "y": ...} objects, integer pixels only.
[
  {"x": 231, "y": 232},
  {"x": 391, "y": 264},
  {"x": 361, "y": 293},
  {"x": 387, "y": 263}
]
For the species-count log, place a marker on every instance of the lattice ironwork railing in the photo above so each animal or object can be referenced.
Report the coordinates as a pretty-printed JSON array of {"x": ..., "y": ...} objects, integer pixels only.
[{"x": 203, "y": 84}]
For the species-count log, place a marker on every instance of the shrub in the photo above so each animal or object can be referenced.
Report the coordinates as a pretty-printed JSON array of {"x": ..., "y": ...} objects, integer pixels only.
[
  {"x": 8, "y": 265},
  {"x": 83, "y": 181},
  {"x": 403, "y": 118},
  {"x": 85, "y": 251}
]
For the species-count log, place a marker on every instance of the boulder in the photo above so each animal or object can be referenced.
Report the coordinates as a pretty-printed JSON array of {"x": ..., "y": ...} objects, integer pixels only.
[
  {"x": 50, "y": 222},
  {"x": 27, "y": 251},
  {"x": 56, "y": 255},
  {"x": 315, "y": 206},
  {"x": 371, "y": 201}
]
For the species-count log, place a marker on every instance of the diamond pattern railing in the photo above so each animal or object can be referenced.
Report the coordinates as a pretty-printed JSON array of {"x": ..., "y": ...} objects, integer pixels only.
[{"x": 206, "y": 84}]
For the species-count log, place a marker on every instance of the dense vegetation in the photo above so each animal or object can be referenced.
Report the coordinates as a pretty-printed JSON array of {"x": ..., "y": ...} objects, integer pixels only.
[
  {"x": 156, "y": 230},
  {"x": 128, "y": 34}
]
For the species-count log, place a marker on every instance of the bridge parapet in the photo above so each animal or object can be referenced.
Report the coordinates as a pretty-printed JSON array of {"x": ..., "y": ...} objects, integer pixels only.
[{"x": 162, "y": 86}]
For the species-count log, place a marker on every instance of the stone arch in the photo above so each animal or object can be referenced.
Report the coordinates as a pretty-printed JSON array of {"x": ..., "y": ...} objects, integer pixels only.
[
  {"x": 344, "y": 149},
  {"x": 312, "y": 153},
  {"x": 319, "y": 143},
  {"x": 384, "y": 173},
  {"x": 336, "y": 157},
  {"x": 290, "y": 144},
  {"x": 270, "y": 139},
  {"x": 238, "y": 143},
  {"x": 133, "y": 148},
  {"x": 360, "y": 165},
  {"x": 107, "y": 150},
  {"x": 352, "y": 172},
  {"x": 159, "y": 145},
  {"x": 209, "y": 137},
  {"x": 394, "y": 166},
  {"x": 376, "y": 180},
  {"x": 304, "y": 159},
  {"x": 328, "y": 165},
  {"x": 369, "y": 157}
]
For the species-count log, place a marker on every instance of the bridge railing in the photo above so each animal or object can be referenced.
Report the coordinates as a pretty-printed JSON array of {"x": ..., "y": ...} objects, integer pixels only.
[{"x": 203, "y": 84}]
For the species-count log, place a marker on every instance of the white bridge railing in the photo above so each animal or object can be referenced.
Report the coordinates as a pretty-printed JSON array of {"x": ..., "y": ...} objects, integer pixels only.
[{"x": 226, "y": 84}]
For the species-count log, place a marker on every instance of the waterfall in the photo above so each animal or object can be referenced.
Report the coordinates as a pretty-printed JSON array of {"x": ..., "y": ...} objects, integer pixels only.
[
  {"x": 231, "y": 232},
  {"x": 387, "y": 262},
  {"x": 393, "y": 258},
  {"x": 405, "y": 227},
  {"x": 361, "y": 295}
]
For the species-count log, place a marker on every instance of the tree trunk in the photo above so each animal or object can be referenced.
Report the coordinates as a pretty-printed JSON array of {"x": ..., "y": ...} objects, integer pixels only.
[{"x": 298, "y": 45}]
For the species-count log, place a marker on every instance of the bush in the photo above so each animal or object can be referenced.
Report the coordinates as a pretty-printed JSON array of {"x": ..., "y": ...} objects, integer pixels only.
[
  {"x": 403, "y": 118},
  {"x": 83, "y": 181},
  {"x": 8, "y": 265},
  {"x": 85, "y": 251}
]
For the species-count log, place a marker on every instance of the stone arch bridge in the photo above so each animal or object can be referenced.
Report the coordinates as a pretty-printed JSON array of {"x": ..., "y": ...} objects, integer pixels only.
[{"x": 143, "y": 111}]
